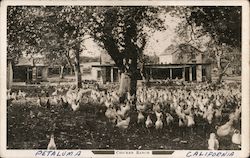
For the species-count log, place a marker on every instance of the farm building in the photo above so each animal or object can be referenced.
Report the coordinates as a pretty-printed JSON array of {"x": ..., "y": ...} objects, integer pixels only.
[
  {"x": 105, "y": 71},
  {"x": 182, "y": 62},
  {"x": 181, "y": 54},
  {"x": 30, "y": 70}
]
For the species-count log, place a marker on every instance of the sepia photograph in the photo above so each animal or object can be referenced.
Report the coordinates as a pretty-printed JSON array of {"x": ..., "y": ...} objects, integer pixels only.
[{"x": 124, "y": 79}]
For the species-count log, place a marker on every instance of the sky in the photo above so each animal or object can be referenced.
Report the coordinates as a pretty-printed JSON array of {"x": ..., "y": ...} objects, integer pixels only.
[{"x": 157, "y": 43}]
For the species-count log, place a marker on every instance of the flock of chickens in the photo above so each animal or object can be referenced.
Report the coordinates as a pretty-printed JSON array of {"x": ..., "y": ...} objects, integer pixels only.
[
  {"x": 156, "y": 108},
  {"x": 186, "y": 107}
]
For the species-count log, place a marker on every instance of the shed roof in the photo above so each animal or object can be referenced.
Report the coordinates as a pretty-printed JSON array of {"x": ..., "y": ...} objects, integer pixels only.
[{"x": 23, "y": 61}]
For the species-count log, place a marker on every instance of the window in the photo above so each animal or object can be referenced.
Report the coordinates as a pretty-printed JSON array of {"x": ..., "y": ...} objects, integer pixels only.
[
  {"x": 39, "y": 72},
  {"x": 203, "y": 71},
  {"x": 98, "y": 73}
]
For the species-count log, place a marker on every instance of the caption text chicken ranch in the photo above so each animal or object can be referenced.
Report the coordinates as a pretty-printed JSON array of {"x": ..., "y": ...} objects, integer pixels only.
[{"x": 131, "y": 152}]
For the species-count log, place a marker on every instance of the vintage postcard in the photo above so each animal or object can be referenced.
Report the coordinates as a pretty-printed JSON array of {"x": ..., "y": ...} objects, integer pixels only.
[{"x": 108, "y": 78}]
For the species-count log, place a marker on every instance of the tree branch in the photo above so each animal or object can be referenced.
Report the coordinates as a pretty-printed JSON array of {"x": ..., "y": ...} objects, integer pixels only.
[
  {"x": 226, "y": 67},
  {"x": 111, "y": 46}
]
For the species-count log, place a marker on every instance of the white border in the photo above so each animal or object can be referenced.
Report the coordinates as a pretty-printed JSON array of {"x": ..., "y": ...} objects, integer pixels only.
[{"x": 244, "y": 152}]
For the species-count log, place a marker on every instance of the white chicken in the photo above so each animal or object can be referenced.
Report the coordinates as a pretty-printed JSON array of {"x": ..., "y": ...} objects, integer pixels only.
[
  {"x": 236, "y": 138},
  {"x": 32, "y": 115},
  {"x": 39, "y": 102},
  {"x": 140, "y": 117},
  {"x": 39, "y": 114},
  {"x": 158, "y": 123},
  {"x": 130, "y": 98},
  {"x": 123, "y": 124},
  {"x": 218, "y": 113},
  {"x": 225, "y": 129},
  {"x": 102, "y": 100},
  {"x": 52, "y": 144},
  {"x": 121, "y": 112},
  {"x": 8, "y": 94},
  {"x": 20, "y": 94},
  {"x": 148, "y": 122},
  {"x": 54, "y": 93},
  {"x": 75, "y": 106},
  {"x": 156, "y": 107},
  {"x": 217, "y": 103},
  {"x": 158, "y": 114},
  {"x": 183, "y": 121},
  {"x": 141, "y": 107},
  {"x": 213, "y": 143},
  {"x": 210, "y": 117},
  {"x": 111, "y": 114},
  {"x": 169, "y": 118},
  {"x": 190, "y": 120},
  {"x": 127, "y": 107},
  {"x": 107, "y": 103},
  {"x": 14, "y": 95},
  {"x": 42, "y": 92},
  {"x": 235, "y": 115}
]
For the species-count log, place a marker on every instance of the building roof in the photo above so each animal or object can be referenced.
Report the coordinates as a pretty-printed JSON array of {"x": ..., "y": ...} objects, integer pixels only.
[
  {"x": 23, "y": 61},
  {"x": 40, "y": 62},
  {"x": 105, "y": 58},
  {"x": 159, "y": 65},
  {"x": 187, "y": 48},
  {"x": 172, "y": 49},
  {"x": 104, "y": 65},
  {"x": 181, "y": 64}
]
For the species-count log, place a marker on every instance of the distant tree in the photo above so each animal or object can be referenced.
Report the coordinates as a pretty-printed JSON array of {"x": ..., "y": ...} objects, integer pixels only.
[{"x": 150, "y": 59}]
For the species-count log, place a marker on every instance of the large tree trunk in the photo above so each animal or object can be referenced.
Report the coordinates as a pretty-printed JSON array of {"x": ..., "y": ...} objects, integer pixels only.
[
  {"x": 78, "y": 70},
  {"x": 128, "y": 82},
  {"x": 124, "y": 84},
  {"x": 61, "y": 72},
  {"x": 218, "y": 62},
  {"x": 133, "y": 83}
]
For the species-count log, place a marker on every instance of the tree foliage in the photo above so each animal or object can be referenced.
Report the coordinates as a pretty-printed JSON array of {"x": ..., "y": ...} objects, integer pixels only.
[
  {"x": 216, "y": 29},
  {"x": 53, "y": 31},
  {"x": 123, "y": 31},
  {"x": 222, "y": 23}
]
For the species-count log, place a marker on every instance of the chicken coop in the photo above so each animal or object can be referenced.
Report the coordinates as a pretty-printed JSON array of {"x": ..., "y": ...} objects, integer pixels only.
[
  {"x": 189, "y": 72},
  {"x": 30, "y": 70}
]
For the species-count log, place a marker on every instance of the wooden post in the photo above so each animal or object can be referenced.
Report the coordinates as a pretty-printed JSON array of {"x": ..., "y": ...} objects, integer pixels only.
[
  {"x": 150, "y": 73},
  {"x": 171, "y": 73},
  {"x": 190, "y": 73},
  {"x": 34, "y": 73},
  {"x": 112, "y": 74},
  {"x": 27, "y": 74},
  {"x": 183, "y": 73},
  {"x": 208, "y": 72},
  {"x": 198, "y": 73},
  {"x": 119, "y": 75}
]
